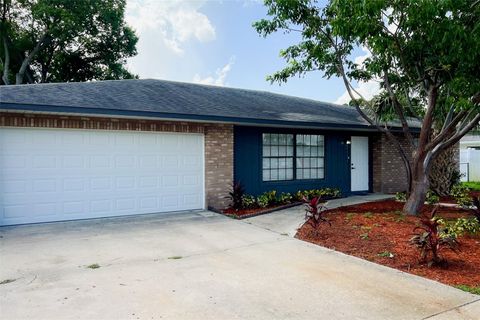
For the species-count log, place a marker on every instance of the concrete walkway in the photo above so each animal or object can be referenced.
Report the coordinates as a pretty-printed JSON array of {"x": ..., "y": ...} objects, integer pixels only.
[{"x": 286, "y": 222}]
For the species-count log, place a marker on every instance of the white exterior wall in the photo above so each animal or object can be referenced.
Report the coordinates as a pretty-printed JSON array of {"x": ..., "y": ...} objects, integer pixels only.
[{"x": 470, "y": 158}]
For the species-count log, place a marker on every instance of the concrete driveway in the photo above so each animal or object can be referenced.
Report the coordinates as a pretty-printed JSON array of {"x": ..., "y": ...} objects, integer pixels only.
[{"x": 202, "y": 266}]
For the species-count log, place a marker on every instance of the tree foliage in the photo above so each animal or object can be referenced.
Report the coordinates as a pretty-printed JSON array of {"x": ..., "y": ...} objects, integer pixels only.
[
  {"x": 64, "y": 40},
  {"x": 424, "y": 54}
]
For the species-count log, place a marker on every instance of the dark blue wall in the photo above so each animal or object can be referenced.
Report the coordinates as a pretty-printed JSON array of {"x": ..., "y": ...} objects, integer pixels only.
[{"x": 248, "y": 160}]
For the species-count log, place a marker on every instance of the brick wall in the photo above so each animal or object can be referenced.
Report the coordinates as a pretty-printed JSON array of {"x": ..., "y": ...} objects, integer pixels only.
[
  {"x": 218, "y": 142},
  {"x": 218, "y": 164},
  {"x": 389, "y": 174}
]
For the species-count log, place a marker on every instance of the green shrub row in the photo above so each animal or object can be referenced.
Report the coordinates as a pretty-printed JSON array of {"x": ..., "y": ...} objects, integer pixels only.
[{"x": 272, "y": 198}]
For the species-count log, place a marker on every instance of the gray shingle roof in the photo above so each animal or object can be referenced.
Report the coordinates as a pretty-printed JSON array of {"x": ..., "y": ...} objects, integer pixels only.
[{"x": 159, "y": 98}]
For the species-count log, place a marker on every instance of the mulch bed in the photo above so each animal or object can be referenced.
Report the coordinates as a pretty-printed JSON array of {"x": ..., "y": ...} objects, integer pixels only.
[
  {"x": 370, "y": 229},
  {"x": 249, "y": 213}
]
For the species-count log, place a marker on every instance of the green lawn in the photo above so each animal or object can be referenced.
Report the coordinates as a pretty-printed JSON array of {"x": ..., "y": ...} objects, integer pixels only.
[
  {"x": 473, "y": 185},
  {"x": 474, "y": 290}
]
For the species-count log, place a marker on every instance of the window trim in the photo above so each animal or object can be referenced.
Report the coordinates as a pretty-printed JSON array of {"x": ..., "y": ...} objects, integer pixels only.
[
  {"x": 294, "y": 158},
  {"x": 310, "y": 157},
  {"x": 262, "y": 157}
]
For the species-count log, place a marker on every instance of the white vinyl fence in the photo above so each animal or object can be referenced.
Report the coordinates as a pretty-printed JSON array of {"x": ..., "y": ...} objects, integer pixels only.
[{"x": 470, "y": 164}]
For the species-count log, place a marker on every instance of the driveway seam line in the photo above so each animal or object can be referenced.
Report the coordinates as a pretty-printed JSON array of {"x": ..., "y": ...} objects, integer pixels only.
[
  {"x": 451, "y": 309},
  {"x": 229, "y": 249}
]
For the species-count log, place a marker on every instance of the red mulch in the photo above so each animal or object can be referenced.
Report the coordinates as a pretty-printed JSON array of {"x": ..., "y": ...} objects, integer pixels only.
[
  {"x": 390, "y": 231},
  {"x": 248, "y": 212},
  {"x": 243, "y": 212}
]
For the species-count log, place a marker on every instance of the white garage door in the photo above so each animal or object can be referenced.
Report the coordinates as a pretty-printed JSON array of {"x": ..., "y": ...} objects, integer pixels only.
[{"x": 58, "y": 174}]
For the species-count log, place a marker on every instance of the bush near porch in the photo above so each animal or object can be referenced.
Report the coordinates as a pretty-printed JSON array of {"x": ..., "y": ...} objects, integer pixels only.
[{"x": 244, "y": 205}]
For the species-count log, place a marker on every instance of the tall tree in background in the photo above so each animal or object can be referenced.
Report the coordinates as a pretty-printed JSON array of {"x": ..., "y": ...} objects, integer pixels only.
[
  {"x": 425, "y": 55},
  {"x": 64, "y": 40}
]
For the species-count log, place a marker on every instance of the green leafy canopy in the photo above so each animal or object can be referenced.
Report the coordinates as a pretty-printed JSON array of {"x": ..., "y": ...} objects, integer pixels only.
[
  {"x": 69, "y": 40},
  {"x": 412, "y": 44}
]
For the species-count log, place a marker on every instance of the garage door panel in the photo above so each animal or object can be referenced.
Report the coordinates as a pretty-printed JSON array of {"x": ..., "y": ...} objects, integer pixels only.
[
  {"x": 53, "y": 174},
  {"x": 74, "y": 207}
]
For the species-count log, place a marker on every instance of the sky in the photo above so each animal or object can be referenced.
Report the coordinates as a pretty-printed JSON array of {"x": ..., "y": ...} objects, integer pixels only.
[{"x": 213, "y": 42}]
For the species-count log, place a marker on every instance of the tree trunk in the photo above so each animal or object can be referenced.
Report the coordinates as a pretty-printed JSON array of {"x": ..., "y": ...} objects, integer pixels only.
[
  {"x": 417, "y": 195},
  {"x": 420, "y": 183}
]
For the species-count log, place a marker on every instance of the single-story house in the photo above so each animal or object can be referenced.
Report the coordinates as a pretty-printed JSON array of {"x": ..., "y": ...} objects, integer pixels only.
[{"x": 110, "y": 148}]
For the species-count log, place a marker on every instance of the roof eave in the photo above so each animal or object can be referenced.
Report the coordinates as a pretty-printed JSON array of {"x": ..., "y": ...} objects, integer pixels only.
[{"x": 99, "y": 112}]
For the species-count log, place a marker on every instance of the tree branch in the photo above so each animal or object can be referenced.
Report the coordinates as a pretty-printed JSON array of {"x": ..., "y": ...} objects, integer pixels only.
[
  {"x": 399, "y": 111},
  {"x": 456, "y": 137},
  {"x": 26, "y": 62},
  {"x": 6, "y": 64},
  {"x": 448, "y": 126},
  {"x": 428, "y": 118}
]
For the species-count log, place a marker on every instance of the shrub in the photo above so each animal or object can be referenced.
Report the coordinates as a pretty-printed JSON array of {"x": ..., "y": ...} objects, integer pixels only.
[
  {"x": 285, "y": 198},
  {"x": 262, "y": 200},
  {"x": 432, "y": 197},
  {"x": 248, "y": 201},
  {"x": 455, "y": 179},
  {"x": 272, "y": 197},
  {"x": 324, "y": 193},
  {"x": 431, "y": 240},
  {"x": 461, "y": 226},
  {"x": 401, "y": 196},
  {"x": 461, "y": 193},
  {"x": 235, "y": 195},
  {"x": 314, "y": 213}
]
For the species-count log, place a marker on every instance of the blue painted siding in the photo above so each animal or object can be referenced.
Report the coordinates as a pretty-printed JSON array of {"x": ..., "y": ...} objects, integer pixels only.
[{"x": 248, "y": 161}]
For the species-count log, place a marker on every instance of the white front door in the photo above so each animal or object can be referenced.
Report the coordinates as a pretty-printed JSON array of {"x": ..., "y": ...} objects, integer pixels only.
[
  {"x": 359, "y": 163},
  {"x": 63, "y": 174}
]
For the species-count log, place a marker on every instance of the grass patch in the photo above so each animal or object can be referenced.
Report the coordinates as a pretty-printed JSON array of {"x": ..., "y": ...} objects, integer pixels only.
[
  {"x": 472, "y": 185},
  {"x": 7, "y": 281},
  {"x": 364, "y": 236},
  {"x": 474, "y": 290},
  {"x": 349, "y": 216},
  {"x": 386, "y": 254},
  {"x": 93, "y": 266},
  {"x": 175, "y": 257},
  {"x": 368, "y": 215}
]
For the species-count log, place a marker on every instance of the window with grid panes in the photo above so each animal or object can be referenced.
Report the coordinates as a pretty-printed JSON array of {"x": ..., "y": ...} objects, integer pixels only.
[
  {"x": 310, "y": 160},
  {"x": 277, "y": 157}
]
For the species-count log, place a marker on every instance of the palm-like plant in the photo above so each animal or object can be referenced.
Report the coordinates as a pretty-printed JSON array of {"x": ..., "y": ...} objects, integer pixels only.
[{"x": 315, "y": 213}]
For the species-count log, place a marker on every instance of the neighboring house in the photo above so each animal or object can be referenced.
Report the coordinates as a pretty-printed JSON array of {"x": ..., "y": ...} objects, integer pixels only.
[
  {"x": 470, "y": 157},
  {"x": 110, "y": 148}
]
